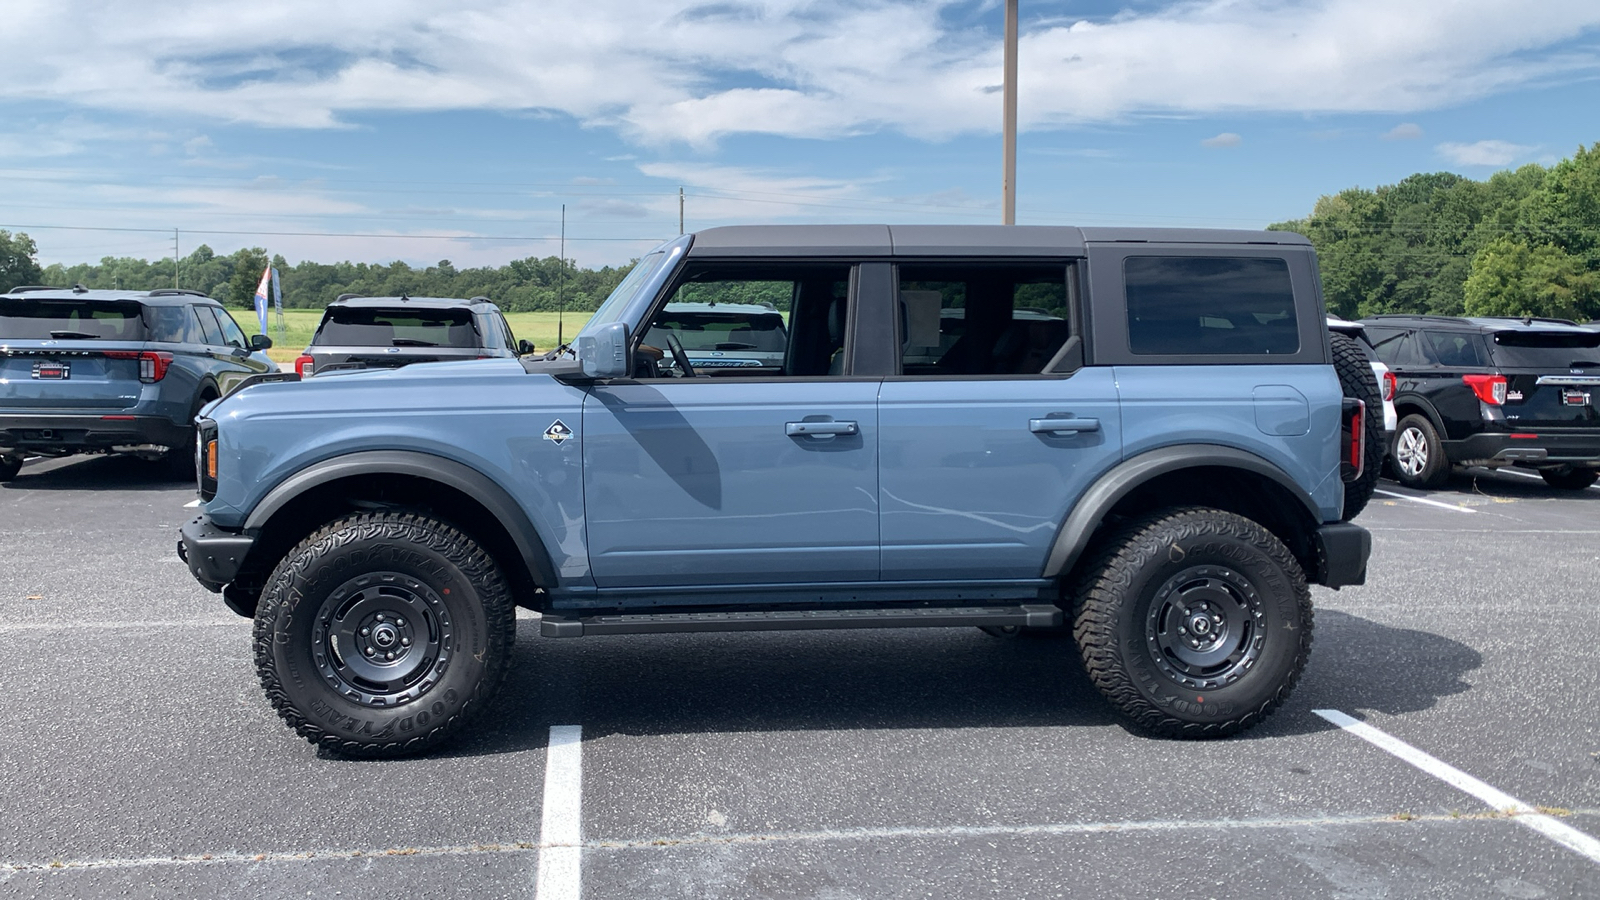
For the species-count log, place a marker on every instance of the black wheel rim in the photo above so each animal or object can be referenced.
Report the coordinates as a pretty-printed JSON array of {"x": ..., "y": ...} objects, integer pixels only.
[
  {"x": 382, "y": 639},
  {"x": 1205, "y": 628}
]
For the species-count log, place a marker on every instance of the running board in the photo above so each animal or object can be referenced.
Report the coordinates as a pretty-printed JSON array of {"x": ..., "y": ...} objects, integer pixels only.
[{"x": 1034, "y": 616}]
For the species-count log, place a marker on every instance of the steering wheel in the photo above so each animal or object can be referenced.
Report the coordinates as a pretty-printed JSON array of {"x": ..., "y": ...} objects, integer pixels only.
[{"x": 680, "y": 356}]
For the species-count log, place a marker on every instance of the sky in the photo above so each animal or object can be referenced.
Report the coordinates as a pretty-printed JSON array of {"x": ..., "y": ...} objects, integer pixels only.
[{"x": 381, "y": 130}]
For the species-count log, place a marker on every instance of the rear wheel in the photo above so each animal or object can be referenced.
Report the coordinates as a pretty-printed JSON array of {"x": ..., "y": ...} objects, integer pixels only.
[
  {"x": 1569, "y": 479},
  {"x": 1419, "y": 459},
  {"x": 1194, "y": 623},
  {"x": 383, "y": 634},
  {"x": 1358, "y": 382}
]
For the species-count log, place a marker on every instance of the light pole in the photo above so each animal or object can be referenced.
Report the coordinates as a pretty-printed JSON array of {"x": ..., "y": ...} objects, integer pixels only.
[{"x": 1010, "y": 124}]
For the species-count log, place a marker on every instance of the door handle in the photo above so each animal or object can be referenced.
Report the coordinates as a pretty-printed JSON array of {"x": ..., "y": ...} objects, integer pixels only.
[
  {"x": 1063, "y": 426},
  {"x": 808, "y": 429}
]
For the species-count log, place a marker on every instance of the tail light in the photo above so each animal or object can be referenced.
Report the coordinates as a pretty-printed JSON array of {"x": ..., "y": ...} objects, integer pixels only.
[
  {"x": 1391, "y": 386},
  {"x": 152, "y": 363},
  {"x": 1491, "y": 389},
  {"x": 303, "y": 365},
  {"x": 1353, "y": 435}
]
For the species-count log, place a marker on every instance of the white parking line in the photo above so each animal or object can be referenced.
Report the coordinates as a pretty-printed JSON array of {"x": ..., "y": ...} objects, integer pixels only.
[
  {"x": 1522, "y": 813},
  {"x": 561, "y": 830},
  {"x": 1425, "y": 500},
  {"x": 192, "y": 503}
]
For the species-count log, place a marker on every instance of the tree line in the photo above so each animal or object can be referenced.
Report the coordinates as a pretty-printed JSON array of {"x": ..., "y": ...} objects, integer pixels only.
[
  {"x": 1525, "y": 242},
  {"x": 522, "y": 284}
]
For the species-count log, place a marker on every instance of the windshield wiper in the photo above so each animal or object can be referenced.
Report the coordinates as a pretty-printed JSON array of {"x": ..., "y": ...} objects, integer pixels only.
[
  {"x": 412, "y": 342},
  {"x": 74, "y": 336}
]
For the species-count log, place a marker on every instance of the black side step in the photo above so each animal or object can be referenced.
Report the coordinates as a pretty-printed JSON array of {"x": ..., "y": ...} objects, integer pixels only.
[{"x": 1033, "y": 615}]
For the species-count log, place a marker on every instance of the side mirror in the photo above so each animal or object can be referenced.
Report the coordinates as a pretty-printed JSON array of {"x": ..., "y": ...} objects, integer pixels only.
[
  {"x": 524, "y": 347},
  {"x": 260, "y": 342},
  {"x": 603, "y": 352}
]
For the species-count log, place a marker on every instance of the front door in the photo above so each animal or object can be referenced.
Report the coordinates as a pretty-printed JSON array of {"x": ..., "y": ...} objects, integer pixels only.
[{"x": 741, "y": 453}]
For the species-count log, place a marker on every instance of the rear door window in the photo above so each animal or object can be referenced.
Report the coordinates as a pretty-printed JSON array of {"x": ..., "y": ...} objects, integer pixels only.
[
  {"x": 208, "y": 326},
  {"x": 1183, "y": 305},
  {"x": 370, "y": 327},
  {"x": 43, "y": 320},
  {"x": 1545, "y": 350},
  {"x": 982, "y": 318},
  {"x": 172, "y": 325}
]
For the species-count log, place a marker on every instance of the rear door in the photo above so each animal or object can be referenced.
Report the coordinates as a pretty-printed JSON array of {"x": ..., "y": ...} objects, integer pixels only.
[
  {"x": 1552, "y": 377},
  {"x": 987, "y": 437},
  {"x": 70, "y": 354}
]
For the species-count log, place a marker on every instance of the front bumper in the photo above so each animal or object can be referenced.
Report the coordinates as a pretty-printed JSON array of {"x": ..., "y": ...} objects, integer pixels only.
[
  {"x": 55, "y": 435},
  {"x": 214, "y": 555},
  {"x": 1342, "y": 552},
  {"x": 1546, "y": 448}
]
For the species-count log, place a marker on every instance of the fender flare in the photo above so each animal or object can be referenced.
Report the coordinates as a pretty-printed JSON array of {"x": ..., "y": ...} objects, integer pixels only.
[
  {"x": 448, "y": 472},
  {"x": 1123, "y": 478},
  {"x": 1429, "y": 411}
]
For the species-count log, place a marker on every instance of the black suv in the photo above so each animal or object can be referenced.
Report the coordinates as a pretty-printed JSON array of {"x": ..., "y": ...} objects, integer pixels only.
[
  {"x": 1492, "y": 392},
  {"x": 389, "y": 332}
]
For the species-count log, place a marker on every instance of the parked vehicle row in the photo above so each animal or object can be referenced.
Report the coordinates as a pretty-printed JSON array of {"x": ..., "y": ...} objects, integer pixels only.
[{"x": 1492, "y": 392}]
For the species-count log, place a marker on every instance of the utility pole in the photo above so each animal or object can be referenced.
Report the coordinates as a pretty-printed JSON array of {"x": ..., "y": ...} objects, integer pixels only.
[
  {"x": 1010, "y": 124},
  {"x": 680, "y": 209},
  {"x": 561, "y": 294},
  {"x": 174, "y": 258}
]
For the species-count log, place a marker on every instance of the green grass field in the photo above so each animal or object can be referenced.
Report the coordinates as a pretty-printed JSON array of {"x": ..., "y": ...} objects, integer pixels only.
[{"x": 539, "y": 327}]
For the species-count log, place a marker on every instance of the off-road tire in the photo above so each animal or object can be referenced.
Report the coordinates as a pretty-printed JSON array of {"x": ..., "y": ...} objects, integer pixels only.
[
  {"x": 1419, "y": 460},
  {"x": 1358, "y": 382},
  {"x": 357, "y": 570},
  {"x": 9, "y": 467},
  {"x": 1165, "y": 570},
  {"x": 1569, "y": 479}
]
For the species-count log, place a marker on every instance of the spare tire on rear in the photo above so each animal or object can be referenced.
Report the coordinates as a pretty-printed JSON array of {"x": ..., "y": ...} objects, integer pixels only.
[{"x": 1358, "y": 382}]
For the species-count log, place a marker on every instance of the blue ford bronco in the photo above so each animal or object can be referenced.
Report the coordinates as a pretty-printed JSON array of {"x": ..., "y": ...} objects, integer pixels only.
[{"x": 1139, "y": 435}]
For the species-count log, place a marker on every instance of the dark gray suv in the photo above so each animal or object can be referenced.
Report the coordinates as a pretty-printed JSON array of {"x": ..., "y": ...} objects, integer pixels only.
[
  {"x": 389, "y": 332},
  {"x": 114, "y": 371}
]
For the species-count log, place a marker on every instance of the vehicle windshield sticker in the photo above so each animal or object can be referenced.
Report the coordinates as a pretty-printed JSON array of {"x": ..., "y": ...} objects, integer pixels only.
[{"x": 557, "y": 432}]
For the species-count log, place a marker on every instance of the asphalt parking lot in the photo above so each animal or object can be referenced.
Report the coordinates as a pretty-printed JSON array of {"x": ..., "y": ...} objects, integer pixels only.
[{"x": 139, "y": 759}]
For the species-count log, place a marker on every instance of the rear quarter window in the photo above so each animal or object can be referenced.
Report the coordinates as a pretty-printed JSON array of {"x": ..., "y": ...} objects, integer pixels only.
[
  {"x": 1456, "y": 350},
  {"x": 1184, "y": 305}
]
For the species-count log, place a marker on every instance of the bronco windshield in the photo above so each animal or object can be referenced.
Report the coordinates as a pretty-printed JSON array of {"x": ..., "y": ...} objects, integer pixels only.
[{"x": 612, "y": 309}]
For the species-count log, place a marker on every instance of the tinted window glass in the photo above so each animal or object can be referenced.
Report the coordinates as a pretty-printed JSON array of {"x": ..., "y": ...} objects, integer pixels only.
[
  {"x": 344, "y": 326},
  {"x": 232, "y": 335},
  {"x": 977, "y": 319},
  {"x": 209, "y": 329},
  {"x": 1545, "y": 350},
  {"x": 43, "y": 320},
  {"x": 172, "y": 324},
  {"x": 1210, "y": 305},
  {"x": 1455, "y": 350}
]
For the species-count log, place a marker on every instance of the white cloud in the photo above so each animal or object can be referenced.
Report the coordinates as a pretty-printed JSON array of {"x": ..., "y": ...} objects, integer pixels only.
[
  {"x": 1405, "y": 131},
  {"x": 682, "y": 71},
  {"x": 1484, "y": 153},
  {"x": 1225, "y": 139}
]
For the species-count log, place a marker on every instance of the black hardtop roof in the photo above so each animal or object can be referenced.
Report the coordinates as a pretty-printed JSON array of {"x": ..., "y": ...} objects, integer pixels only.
[
  {"x": 954, "y": 240},
  {"x": 1479, "y": 324},
  {"x": 157, "y": 297},
  {"x": 413, "y": 302}
]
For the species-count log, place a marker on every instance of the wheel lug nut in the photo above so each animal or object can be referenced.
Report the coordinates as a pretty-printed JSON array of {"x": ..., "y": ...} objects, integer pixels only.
[
  {"x": 366, "y": 631},
  {"x": 405, "y": 642},
  {"x": 388, "y": 656},
  {"x": 369, "y": 651},
  {"x": 400, "y": 622}
]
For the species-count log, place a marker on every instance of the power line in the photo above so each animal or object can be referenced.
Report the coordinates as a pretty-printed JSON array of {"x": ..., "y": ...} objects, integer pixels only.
[{"x": 341, "y": 234}]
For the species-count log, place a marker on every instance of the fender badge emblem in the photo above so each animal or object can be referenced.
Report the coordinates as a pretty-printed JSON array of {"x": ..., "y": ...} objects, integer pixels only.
[{"x": 557, "y": 432}]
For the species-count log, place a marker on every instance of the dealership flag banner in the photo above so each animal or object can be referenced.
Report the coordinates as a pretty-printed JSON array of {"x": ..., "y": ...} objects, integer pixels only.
[{"x": 261, "y": 296}]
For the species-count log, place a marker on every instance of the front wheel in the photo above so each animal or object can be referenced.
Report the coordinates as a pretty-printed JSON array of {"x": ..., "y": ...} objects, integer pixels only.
[
  {"x": 1569, "y": 479},
  {"x": 382, "y": 634},
  {"x": 1194, "y": 623}
]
